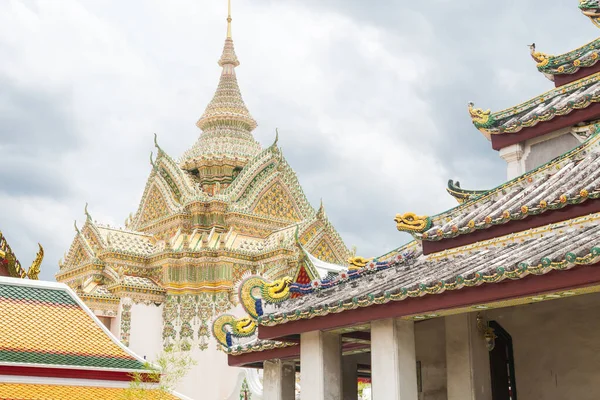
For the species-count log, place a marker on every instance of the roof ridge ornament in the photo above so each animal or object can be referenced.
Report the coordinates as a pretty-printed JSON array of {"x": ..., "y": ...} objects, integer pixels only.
[
  {"x": 412, "y": 223},
  {"x": 87, "y": 214},
  {"x": 542, "y": 59},
  {"x": 229, "y": 19}
]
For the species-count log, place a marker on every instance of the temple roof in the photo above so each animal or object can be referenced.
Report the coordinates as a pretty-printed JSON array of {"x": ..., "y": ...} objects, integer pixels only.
[
  {"x": 545, "y": 107},
  {"x": 570, "y": 179},
  {"x": 407, "y": 273},
  {"x": 44, "y": 324}
]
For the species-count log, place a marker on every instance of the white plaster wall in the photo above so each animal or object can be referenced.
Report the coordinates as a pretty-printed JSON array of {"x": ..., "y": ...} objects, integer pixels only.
[
  {"x": 430, "y": 344},
  {"x": 556, "y": 347},
  {"x": 211, "y": 378},
  {"x": 145, "y": 337}
]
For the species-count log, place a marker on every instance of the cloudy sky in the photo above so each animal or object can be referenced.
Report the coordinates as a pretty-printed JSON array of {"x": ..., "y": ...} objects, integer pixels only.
[{"x": 369, "y": 98}]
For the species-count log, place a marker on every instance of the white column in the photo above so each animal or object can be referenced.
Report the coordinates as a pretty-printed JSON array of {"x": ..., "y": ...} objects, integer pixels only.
[
  {"x": 349, "y": 378},
  {"x": 320, "y": 366},
  {"x": 467, "y": 360},
  {"x": 279, "y": 380},
  {"x": 513, "y": 155},
  {"x": 393, "y": 360}
]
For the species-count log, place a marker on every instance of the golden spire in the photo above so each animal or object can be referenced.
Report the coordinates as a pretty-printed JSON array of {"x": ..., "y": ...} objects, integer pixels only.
[
  {"x": 226, "y": 123},
  {"x": 228, "y": 19}
]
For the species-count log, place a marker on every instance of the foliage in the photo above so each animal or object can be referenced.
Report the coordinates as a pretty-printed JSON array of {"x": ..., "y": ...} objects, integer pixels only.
[{"x": 169, "y": 368}]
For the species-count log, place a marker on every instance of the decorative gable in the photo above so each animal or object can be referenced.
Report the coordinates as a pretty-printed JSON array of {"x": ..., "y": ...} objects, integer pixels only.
[
  {"x": 155, "y": 207},
  {"x": 323, "y": 251},
  {"x": 276, "y": 202}
]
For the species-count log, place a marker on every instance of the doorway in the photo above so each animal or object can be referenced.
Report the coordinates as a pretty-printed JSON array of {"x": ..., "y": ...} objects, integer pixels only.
[{"x": 502, "y": 366}]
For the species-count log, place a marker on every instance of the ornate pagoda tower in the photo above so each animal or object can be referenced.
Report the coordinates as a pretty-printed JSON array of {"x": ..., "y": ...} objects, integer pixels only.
[{"x": 228, "y": 208}]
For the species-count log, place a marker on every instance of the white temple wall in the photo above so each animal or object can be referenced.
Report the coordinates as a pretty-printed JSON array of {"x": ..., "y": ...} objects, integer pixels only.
[
  {"x": 430, "y": 345},
  {"x": 211, "y": 378},
  {"x": 146, "y": 330},
  {"x": 556, "y": 347},
  {"x": 530, "y": 154}
]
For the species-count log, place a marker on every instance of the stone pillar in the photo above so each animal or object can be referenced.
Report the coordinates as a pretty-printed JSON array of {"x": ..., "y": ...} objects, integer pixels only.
[
  {"x": 349, "y": 378},
  {"x": 393, "y": 360},
  {"x": 513, "y": 155},
  {"x": 320, "y": 366},
  {"x": 279, "y": 380},
  {"x": 467, "y": 359}
]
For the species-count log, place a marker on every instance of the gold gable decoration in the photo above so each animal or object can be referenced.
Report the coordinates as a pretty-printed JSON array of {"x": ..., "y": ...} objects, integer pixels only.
[
  {"x": 324, "y": 252},
  {"x": 156, "y": 207},
  {"x": 276, "y": 202},
  {"x": 15, "y": 270}
]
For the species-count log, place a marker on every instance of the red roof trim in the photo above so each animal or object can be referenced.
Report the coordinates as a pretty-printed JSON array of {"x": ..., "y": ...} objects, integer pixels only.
[
  {"x": 72, "y": 373},
  {"x": 560, "y": 80},
  {"x": 502, "y": 140}
]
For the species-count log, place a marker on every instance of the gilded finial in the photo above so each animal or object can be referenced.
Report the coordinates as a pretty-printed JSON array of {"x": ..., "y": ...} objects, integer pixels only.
[
  {"x": 228, "y": 19},
  {"x": 34, "y": 270},
  {"x": 75, "y": 225},
  {"x": 151, "y": 160},
  {"x": 156, "y": 141},
  {"x": 276, "y": 137},
  {"x": 321, "y": 211}
]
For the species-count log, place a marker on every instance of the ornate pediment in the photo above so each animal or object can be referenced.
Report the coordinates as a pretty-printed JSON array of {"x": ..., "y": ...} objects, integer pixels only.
[
  {"x": 324, "y": 251},
  {"x": 155, "y": 207},
  {"x": 276, "y": 202}
]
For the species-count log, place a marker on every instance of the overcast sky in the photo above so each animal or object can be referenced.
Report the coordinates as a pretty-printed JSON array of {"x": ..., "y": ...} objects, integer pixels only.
[{"x": 369, "y": 97}]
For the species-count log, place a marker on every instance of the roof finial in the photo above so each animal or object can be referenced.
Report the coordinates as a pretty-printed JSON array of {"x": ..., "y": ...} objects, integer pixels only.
[
  {"x": 276, "y": 138},
  {"x": 87, "y": 214},
  {"x": 229, "y": 19}
]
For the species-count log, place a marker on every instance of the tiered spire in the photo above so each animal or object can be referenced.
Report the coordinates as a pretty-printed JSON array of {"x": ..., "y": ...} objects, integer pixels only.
[{"x": 226, "y": 124}]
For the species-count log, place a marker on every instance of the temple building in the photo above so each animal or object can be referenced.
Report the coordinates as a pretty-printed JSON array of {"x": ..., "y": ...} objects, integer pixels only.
[
  {"x": 494, "y": 299},
  {"x": 228, "y": 208},
  {"x": 53, "y": 347}
]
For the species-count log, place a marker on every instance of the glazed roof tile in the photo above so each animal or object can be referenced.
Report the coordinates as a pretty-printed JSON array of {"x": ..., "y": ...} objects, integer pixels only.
[
  {"x": 406, "y": 272},
  {"x": 141, "y": 281},
  {"x": 569, "y": 179},
  {"x": 128, "y": 241},
  {"x": 45, "y": 323},
  {"x": 557, "y": 102},
  {"x": 23, "y": 391}
]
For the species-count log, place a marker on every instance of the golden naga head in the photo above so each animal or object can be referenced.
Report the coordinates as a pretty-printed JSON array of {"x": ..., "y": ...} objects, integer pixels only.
[
  {"x": 245, "y": 326},
  {"x": 410, "y": 222},
  {"x": 277, "y": 290},
  {"x": 480, "y": 118},
  {"x": 358, "y": 262}
]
